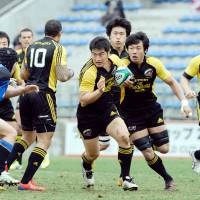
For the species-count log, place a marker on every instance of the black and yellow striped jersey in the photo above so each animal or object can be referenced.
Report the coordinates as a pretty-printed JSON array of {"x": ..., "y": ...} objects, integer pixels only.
[
  {"x": 41, "y": 59},
  {"x": 193, "y": 69},
  {"x": 88, "y": 79},
  {"x": 141, "y": 93},
  {"x": 123, "y": 54},
  {"x": 20, "y": 57}
]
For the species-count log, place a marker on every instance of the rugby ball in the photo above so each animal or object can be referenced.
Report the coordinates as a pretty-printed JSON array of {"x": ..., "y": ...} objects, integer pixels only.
[{"x": 121, "y": 75}]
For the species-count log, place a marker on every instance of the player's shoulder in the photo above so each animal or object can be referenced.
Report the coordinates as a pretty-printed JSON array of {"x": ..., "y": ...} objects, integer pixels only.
[
  {"x": 153, "y": 61},
  {"x": 195, "y": 60},
  {"x": 126, "y": 61},
  {"x": 115, "y": 59}
]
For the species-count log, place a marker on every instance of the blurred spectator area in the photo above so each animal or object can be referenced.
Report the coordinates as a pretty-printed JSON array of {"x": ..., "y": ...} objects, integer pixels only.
[{"x": 170, "y": 24}]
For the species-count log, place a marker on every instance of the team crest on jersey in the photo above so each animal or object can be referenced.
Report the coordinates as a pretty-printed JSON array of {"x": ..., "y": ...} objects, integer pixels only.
[
  {"x": 131, "y": 128},
  {"x": 148, "y": 73},
  {"x": 87, "y": 132}
]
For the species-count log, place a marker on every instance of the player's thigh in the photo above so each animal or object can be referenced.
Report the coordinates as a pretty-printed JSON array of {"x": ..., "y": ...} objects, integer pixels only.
[
  {"x": 44, "y": 139},
  {"x": 29, "y": 137},
  {"x": 91, "y": 147},
  {"x": 118, "y": 130},
  {"x": 6, "y": 129}
]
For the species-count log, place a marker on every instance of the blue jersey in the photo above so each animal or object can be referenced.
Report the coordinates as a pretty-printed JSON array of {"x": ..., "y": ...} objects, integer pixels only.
[
  {"x": 4, "y": 80},
  {"x": 3, "y": 88}
]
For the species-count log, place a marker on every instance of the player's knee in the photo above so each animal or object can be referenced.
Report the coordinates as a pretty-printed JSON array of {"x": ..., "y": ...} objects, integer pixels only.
[
  {"x": 104, "y": 142},
  {"x": 143, "y": 143},
  {"x": 123, "y": 140},
  {"x": 160, "y": 140},
  {"x": 104, "y": 146},
  {"x": 163, "y": 149},
  {"x": 148, "y": 153},
  {"x": 93, "y": 155}
]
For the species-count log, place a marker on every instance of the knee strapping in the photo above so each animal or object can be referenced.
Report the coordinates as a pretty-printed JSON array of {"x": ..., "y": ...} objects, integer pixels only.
[
  {"x": 160, "y": 139},
  {"x": 142, "y": 143}
]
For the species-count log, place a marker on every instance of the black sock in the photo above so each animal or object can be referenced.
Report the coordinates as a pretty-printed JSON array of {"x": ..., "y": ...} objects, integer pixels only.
[
  {"x": 86, "y": 163},
  {"x": 18, "y": 149},
  {"x": 34, "y": 162},
  {"x": 124, "y": 158},
  {"x": 157, "y": 165},
  {"x": 132, "y": 146},
  {"x": 5, "y": 149},
  {"x": 197, "y": 154},
  {"x": 19, "y": 159}
]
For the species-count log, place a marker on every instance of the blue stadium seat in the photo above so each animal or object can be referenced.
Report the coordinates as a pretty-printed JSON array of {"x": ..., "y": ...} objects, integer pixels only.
[
  {"x": 191, "y": 18},
  {"x": 102, "y": 7},
  {"x": 173, "y": 29},
  {"x": 169, "y": 53},
  {"x": 79, "y": 30},
  {"x": 175, "y": 41},
  {"x": 175, "y": 66},
  {"x": 85, "y": 18},
  {"x": 68, "y": 42},
  {"x": 172, "y": 1}
]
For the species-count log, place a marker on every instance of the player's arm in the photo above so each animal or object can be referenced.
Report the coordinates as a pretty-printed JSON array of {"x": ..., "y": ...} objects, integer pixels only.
[
  {"x": 12, "y": 92},
  {"x": 185, "y": 108},
  {"x": 90, "y": 97},
  {"x": 16, "y": 74},
  {"x": 24, "y": 72},
  {"x": 185, "y": 83},
  {"x": 165, "y": 75},
  {"x": 63, "y": 73},
  {"x": 88, "y": 93},
  {"x": 191, "y": 71}
]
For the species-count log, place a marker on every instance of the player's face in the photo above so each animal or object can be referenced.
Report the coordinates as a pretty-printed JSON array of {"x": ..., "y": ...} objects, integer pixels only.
[
  {"x": 136, "y": 53},
  {"x": 118, "y": 37},
  {"x": 26, "y": 39},
  {"x": 3, "y": 42},
  {"x": 99, "y": 57}
]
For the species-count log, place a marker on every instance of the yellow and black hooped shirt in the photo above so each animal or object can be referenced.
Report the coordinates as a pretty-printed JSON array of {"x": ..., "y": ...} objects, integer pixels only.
[
  {"x": 41, "y": 59},
  {"x": 88, "y": 79},
  {"x": 141, "y": 94},
  {"x": 193, "y": 69},
  {"x": 20, "y": 56}
]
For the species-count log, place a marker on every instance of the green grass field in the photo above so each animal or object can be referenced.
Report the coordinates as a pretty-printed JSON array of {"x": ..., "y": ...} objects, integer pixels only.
[{"x": 63, "y": 180}]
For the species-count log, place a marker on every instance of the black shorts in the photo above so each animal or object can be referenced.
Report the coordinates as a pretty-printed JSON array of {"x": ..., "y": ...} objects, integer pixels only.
[
  {"x": 91, "y": 126},
  {"x": 152, "y": 116},
  {"x": 38, "y": 112},
  {"x": 6, "y": 110}
]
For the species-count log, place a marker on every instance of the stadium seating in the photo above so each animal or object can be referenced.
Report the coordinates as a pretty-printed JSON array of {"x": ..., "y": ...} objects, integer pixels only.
[
  {"x": 102, "y": 7},
  {"x": 190, "y": 18},
  {"x": 175, "y": 53},
  {"x": 175, "y": 41},
  {"x": 83, "y": 18},
  {"x": 172, "y": 1},
  {"x": 68, "y": 42},
  {"x": 80, "y": 30},
  {"x": 174, "y": 29}
]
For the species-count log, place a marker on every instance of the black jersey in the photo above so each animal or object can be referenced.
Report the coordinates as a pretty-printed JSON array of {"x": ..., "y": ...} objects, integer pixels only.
[{"x": 41, "y": 59}]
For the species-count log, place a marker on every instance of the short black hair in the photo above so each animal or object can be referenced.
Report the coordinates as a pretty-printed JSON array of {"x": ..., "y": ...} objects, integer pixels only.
[
  {"x": 8, "y": 57},
  {"x": 52, "y": 28},
  {"x": 122, "y": 22},
  {"x": 26, "y": 30},
  {"x": 100, "y": 42},
  {"x": 5, "y": 35},
  {"x": 136, "y": 38}
]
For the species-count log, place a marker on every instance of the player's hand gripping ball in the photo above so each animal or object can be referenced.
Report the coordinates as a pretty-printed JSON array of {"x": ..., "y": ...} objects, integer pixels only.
[{"x": 122, "y": 74}]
